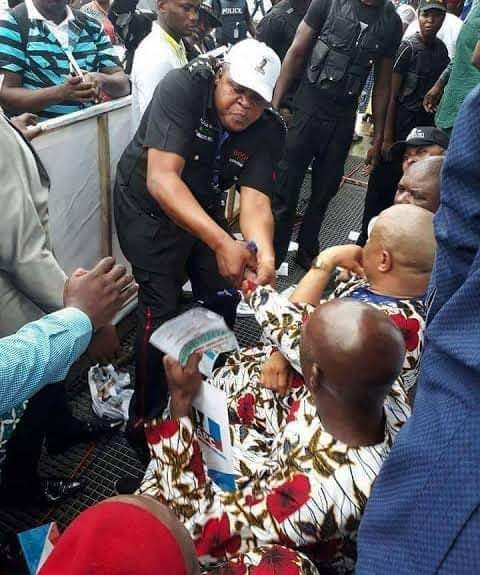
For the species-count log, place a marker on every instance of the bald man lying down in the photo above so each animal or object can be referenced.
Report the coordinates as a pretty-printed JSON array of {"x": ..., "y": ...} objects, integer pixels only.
[{"x": 303, "y": 480}]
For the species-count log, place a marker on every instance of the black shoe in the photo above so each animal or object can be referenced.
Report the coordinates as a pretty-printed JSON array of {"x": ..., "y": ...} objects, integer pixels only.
[
  {"x": 303, "y": 259},
  {"x": 55, "y": 490},
  {"x": 127, "y": 485},
  {"x": 79, "y": 432},
  {"x": 20, "y": 494}
]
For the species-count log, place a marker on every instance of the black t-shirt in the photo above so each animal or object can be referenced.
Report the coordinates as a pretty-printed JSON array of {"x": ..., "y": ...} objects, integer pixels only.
[
  {"x": 181, "y": 119},
  {"x": 308, "y": 97},
  {"x": 426, "y": 65}
]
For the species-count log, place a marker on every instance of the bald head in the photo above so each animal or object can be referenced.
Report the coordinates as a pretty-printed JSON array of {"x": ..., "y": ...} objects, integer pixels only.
[
  {"x": 351, "y": 351},
  {"x": 398, "y": 256},
  {"x": 420, "y": 184}
]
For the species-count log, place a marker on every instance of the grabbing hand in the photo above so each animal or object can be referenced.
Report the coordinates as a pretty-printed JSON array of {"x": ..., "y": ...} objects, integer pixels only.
[
  {"x": 432, "y": 99},
  {"x": 233, "y": 259},
  {"x": 105, "y": 345},
  {"x": 183, "y": 384},
  {"x": 387, "y": 149},
  {"x": 277, "y": 374},
  {"x": 27, "y": 124},
  {"x": 348, "y": 257},
  {"x": 77, "y": 90},
  {"x": 100, "y": 292},
  {"x": 373, "y": 157},
  {"x": 96, "y": 79},
  {"x": 265, "y": 271}
]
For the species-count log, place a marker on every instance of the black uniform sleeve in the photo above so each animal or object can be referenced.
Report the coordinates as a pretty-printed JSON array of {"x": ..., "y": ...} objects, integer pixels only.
[
  {"x": 403, "y": 58},
  {"x": 173, "y": 113},
  {"x": 269, "y": 31},
  {"x": 394, "y": 36},
  {"x": 317, "y": 14},
  {"x": 259, "y": 172}
]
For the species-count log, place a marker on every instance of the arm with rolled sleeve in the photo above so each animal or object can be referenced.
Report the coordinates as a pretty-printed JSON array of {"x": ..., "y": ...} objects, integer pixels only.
[
  {"x": 281, "y": 321},
  {"x": 40, "y": 353}
]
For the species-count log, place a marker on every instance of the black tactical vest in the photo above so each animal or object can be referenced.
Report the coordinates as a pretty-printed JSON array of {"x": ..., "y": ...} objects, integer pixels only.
[
  {"x": 234, "y": 22},
  {"x": 346, "y": 49},
  {"x": 427, "y": 64}
]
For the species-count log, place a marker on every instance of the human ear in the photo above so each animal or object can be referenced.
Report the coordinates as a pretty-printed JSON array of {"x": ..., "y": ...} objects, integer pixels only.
[{"x": 385, "y": 262}]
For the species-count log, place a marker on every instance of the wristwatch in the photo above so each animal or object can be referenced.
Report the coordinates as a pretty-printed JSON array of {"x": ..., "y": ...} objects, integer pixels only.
[{"x": 319, "y": 264}]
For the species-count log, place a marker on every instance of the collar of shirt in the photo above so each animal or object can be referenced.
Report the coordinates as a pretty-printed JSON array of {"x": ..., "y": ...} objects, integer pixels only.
[
  {"x": 177, "y": 47},
  {"x": 60, "y": 31}
]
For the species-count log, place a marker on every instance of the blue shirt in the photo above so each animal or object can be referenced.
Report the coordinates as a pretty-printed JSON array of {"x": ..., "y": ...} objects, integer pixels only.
[
  {"x": 423, "y": 515},
  {"x": 41, "y": 352},
  {"x": 43, "y": 62}
]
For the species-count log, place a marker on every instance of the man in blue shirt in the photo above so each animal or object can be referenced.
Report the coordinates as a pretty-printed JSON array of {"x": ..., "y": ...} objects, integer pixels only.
[
  {"x": 424, "y": 512},
  {"x": 43, "y": 351},
  {"x": 55, "y": 60}
]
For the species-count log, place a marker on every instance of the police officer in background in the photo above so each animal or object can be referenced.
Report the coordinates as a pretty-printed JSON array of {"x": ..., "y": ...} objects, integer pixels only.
[
  {"x": 236, "y": 21},
  {"x": 277, "y": 29},
  {"x": 340, "y": 41},
  {"x": 206, "y": 129}
]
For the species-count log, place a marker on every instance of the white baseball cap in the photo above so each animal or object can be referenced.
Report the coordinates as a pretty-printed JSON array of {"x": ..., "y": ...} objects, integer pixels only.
[{"x": 253, "y": 65}]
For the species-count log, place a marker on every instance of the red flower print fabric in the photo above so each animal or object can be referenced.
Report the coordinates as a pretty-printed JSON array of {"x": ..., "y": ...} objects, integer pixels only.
[
  {"x": 289, "y": 497},
  {"x": 246, "y": 408},
  {"x": 159, "y": 430},
  {"x": 216, "y": 539}
]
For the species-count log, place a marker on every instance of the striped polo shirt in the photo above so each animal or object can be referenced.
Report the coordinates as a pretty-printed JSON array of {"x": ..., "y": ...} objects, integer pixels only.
[{"x": 43, "y": 62}]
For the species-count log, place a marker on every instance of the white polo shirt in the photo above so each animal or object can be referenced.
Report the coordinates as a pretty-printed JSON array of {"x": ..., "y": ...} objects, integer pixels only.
[
  {"x": 156, "y": 55},
  {"x": 60, "y": 31}
]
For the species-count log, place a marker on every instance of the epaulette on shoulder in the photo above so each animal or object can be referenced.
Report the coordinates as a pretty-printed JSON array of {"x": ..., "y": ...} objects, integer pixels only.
[
  {"x": 271, "y": 112},
  {"x": 203, "y": 65}
]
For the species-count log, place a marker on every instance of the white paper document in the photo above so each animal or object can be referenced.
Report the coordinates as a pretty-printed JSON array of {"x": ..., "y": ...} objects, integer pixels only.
[
  {"x": 197, "y": 330},
  {"x": 211, "y": 415}
]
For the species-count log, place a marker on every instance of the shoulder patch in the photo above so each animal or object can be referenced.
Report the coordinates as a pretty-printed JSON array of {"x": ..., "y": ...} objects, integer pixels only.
[{"x": 272, "y": 113}]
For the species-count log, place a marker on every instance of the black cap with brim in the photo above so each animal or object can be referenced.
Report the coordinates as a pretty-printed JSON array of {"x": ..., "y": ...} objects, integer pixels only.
[
  {"x": 422, "y": 136},
  {"x": 432, "y": 5},
  {"x": 214, "y": 19}
]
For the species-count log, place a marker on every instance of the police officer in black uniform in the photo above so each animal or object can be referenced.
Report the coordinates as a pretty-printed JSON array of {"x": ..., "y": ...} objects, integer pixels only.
[
  {"x": 340, "y": 40},
  {"x": 419, "y": 63},
  {"x": 204, "y": 131},
  {"x": 236, "y": 21}
]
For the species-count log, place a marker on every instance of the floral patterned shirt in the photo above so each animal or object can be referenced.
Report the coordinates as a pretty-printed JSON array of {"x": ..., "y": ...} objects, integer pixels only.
[{"x": 297, "y": 486}]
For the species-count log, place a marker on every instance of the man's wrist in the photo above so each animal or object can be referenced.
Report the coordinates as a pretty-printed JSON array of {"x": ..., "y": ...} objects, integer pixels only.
[
  {"x": 180, "y": 406},
  {"x": 325, "y": 261},
  {"x": 217, "y": 239}
]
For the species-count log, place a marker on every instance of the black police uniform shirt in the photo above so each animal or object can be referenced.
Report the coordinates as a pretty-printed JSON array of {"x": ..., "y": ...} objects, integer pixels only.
[
  {"x": 182, "y": 119},
  {"x": 308, "y": 97}
]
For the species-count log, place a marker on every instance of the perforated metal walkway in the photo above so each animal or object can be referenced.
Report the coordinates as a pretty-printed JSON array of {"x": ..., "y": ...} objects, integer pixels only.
[{"x": 109, "y": 459}]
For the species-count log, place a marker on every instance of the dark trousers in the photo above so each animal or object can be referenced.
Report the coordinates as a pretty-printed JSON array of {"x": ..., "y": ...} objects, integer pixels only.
[
  {"x": 326, "y": 140},
  {"x": 382, "y": 185},
  {"x": 159, "y": 300},
  {"x": 47, "y": 416}
]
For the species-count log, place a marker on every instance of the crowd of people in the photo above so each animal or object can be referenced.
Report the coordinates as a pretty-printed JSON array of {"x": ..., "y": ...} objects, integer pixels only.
[{"x": 354, "y": 419}]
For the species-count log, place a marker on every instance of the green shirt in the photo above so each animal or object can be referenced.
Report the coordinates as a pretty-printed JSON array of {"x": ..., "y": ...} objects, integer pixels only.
[{"x": 464, "y": 75}]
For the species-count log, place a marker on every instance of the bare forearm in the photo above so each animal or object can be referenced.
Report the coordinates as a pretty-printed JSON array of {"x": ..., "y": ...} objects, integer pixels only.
[
  {"x": 310, "y": 289},
  {"x": 19, "y": 100},
  {"x": 380, "y": 103},
  {"x": 116, "y": 85},
  {"x": 476, "y": 56},
  {"x": 177, "y": 201},
  {"x": 291, "y": 67},
  {"x": 256, "y": 221}
]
